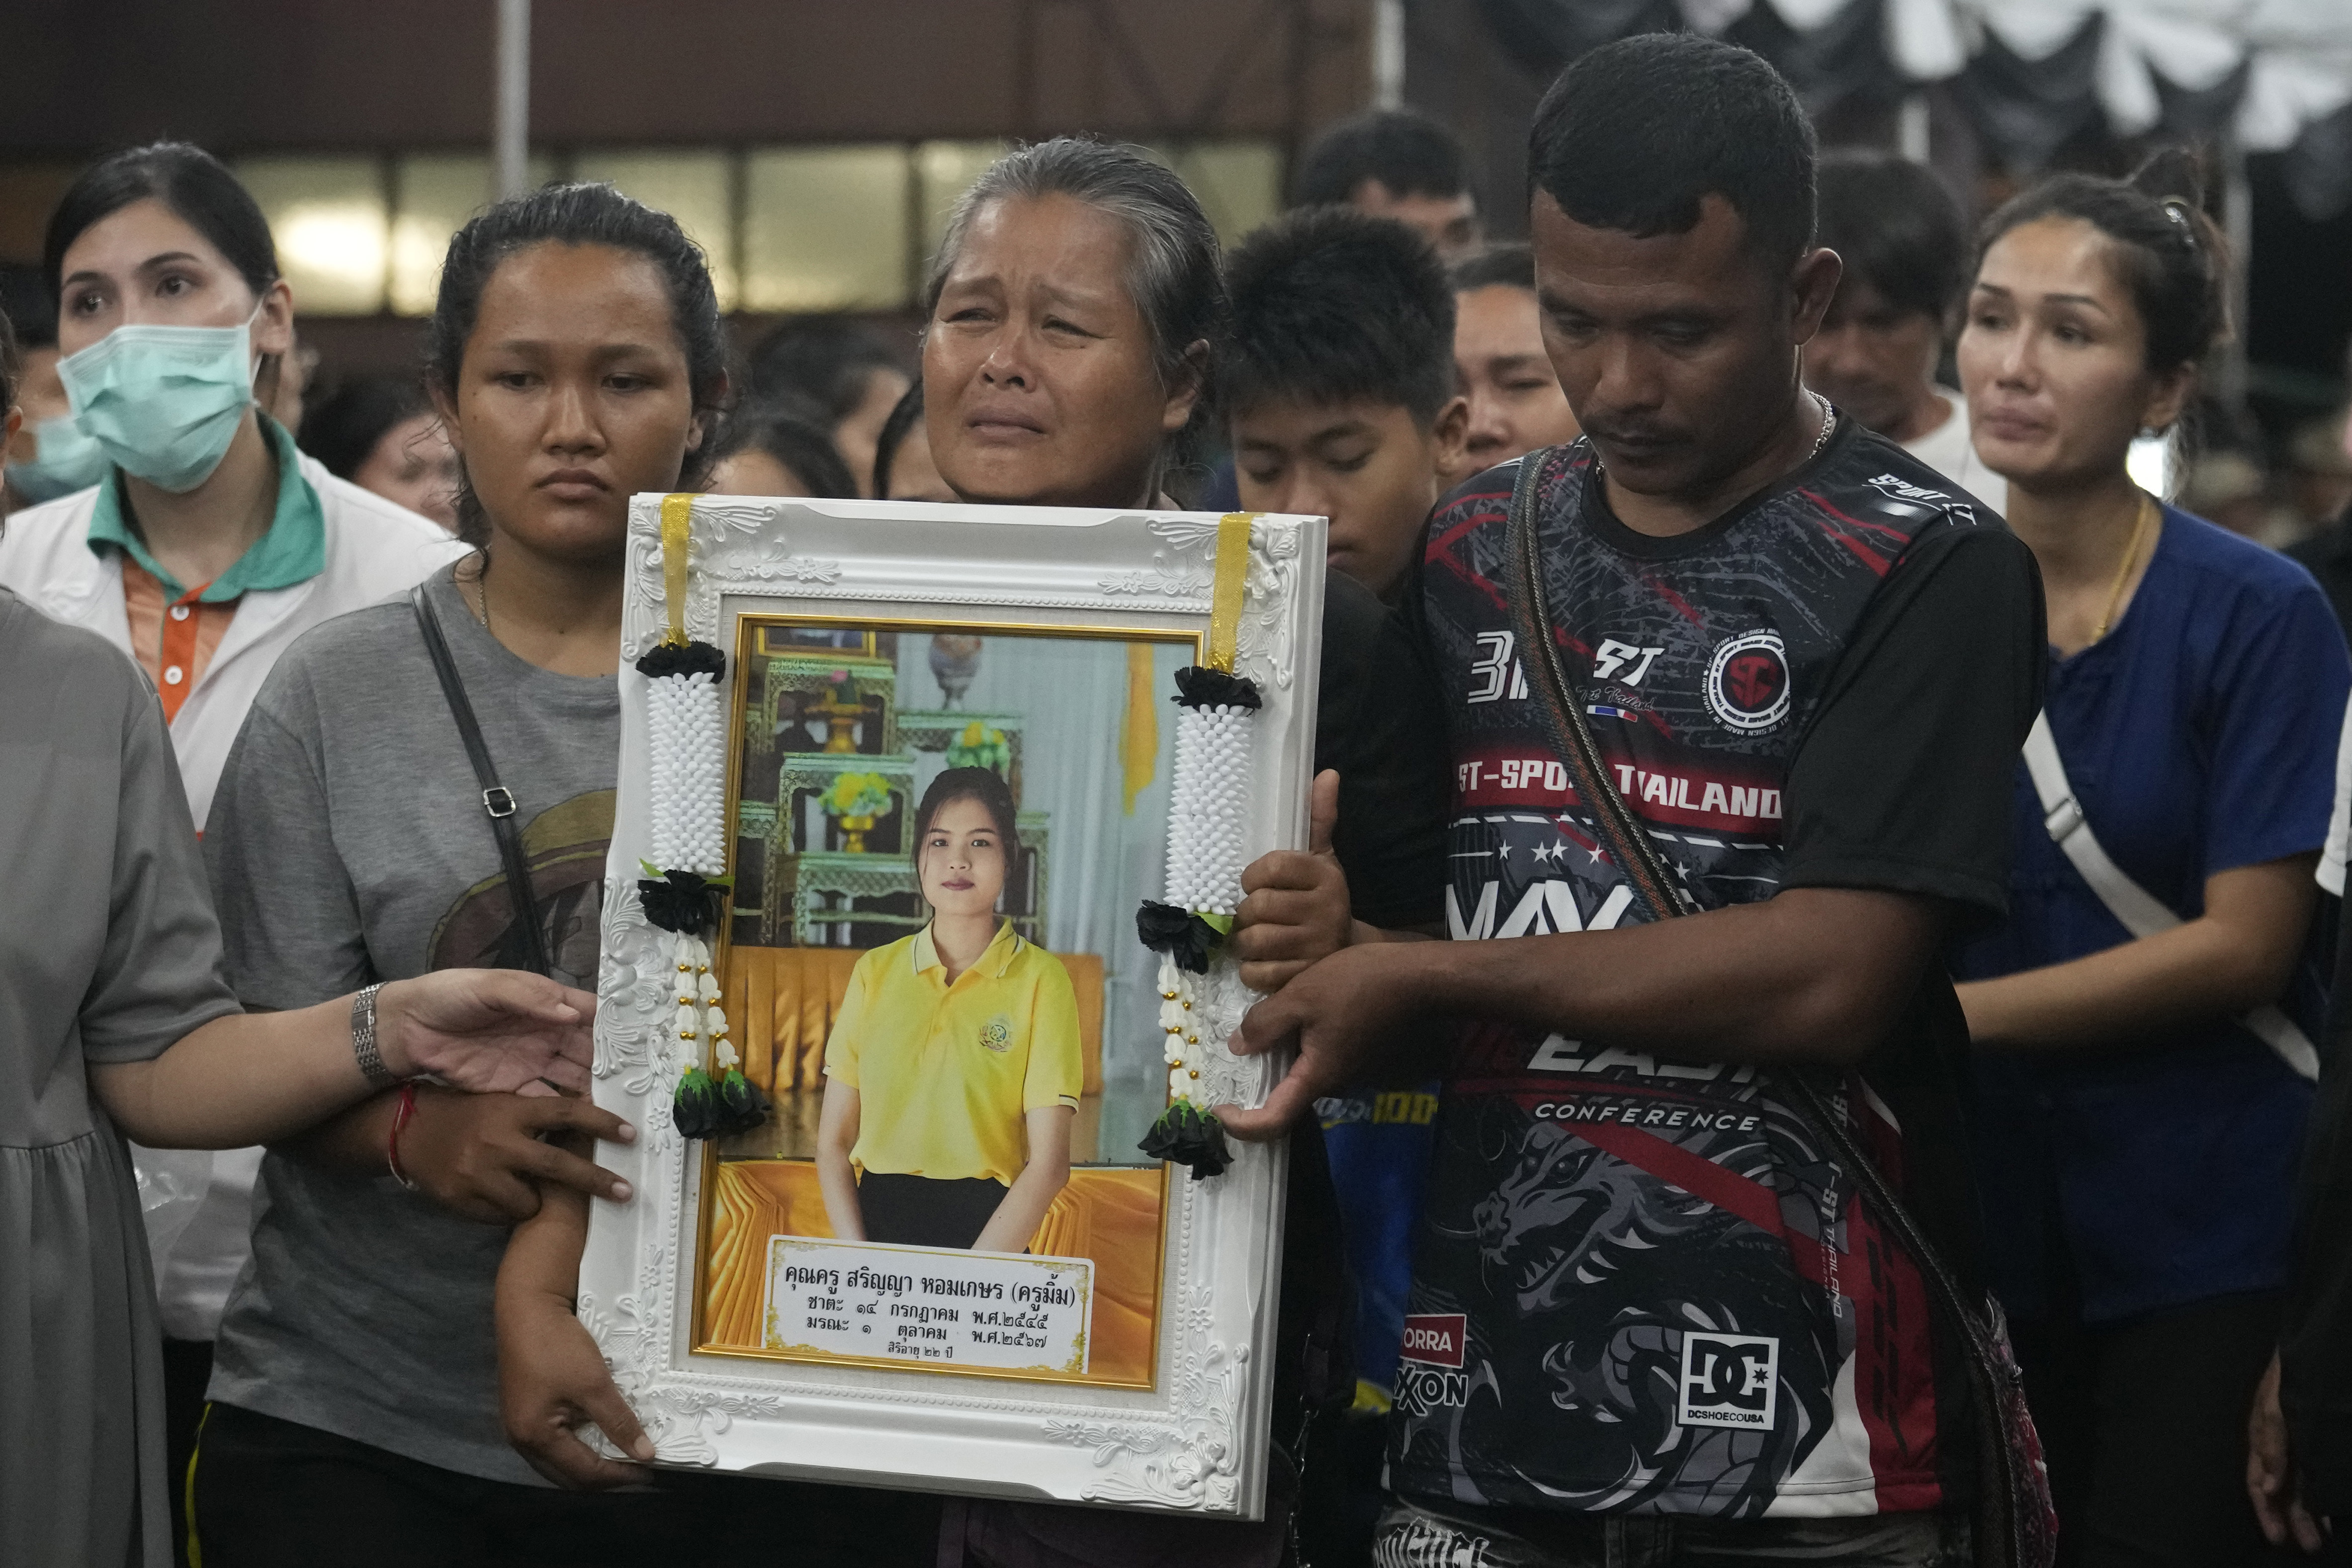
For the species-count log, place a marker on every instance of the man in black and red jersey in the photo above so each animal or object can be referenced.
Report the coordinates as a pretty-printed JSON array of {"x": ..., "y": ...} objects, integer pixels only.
[{"x": 1652, "y": 1322}]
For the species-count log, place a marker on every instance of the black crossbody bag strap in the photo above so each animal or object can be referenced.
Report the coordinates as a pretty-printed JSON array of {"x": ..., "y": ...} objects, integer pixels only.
[
  {"x": 498, "y": 801},
  {"x": 2002, "y": 1498},
  {"x": 1562, "y": 717}
]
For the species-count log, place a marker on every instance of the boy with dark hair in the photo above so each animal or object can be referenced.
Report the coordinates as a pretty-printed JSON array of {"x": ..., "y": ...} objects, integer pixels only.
[
  {"x": 1906, "y": 251},
  {"x": 1396, "y": 163},
  {"x": 1653, "y": 1321},
  {"x": 1336, "y": 382},
  {"x": 1500, "y": 366}
]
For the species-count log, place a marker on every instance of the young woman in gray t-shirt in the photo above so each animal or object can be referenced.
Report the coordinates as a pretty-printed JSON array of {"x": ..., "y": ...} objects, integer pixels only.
[{"x": 577, "y": 358}]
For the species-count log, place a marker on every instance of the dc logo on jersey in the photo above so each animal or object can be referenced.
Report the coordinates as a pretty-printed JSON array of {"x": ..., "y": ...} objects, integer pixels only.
[
  {"x": 1748, "y": 682},
  {"x": 1729, "y": 1380}
]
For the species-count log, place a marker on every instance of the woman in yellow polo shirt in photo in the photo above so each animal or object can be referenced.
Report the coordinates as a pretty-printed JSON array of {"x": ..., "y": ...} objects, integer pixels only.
[{"x": 954, "y": 1069}]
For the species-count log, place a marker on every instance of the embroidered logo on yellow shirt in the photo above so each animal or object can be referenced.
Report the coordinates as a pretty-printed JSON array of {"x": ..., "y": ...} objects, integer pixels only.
[{"x": 996, "y": 1035}]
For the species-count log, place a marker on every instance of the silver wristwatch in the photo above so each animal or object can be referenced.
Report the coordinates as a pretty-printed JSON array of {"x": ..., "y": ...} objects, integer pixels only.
[{"x": 363, "y": 1045}]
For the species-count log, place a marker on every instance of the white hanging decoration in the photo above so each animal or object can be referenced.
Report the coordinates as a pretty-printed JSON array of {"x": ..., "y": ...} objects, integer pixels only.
[
  {"x": 691, "y": 960},
  {"x": 688, "y": 766},
  {"x": 1209, "y": 793},
  {"x": 722, "y": 1049},
  {"x": 1179, "y": 1026},
  {"x": 1215, "y": 723},
  {"x": 1216, "y": 720}
]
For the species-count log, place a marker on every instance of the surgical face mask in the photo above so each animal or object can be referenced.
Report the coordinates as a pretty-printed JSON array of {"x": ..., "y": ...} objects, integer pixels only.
[
  {"x": 64, "y": 460},
  {"x": 163, "y": 403}
]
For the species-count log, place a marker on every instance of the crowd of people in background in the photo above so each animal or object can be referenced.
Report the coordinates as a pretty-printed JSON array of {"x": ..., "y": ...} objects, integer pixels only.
[{"x": 2046, "y": 904}]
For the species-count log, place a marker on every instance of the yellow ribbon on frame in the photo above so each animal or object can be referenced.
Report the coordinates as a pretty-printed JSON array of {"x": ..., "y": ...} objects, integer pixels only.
[
  {"x": 677, "y": 519},
  {"x": 1138, "y": 733},
  {"x": 1225, "y": 594}
]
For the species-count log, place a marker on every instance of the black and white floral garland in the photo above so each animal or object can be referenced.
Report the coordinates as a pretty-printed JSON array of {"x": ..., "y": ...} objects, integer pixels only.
[
  {"x": 1216, "y": 721},
  {"x": 684, "y": 886}
]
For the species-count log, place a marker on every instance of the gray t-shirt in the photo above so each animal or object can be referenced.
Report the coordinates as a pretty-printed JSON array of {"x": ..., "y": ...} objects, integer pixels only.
[{"x": 348, "y": 844}]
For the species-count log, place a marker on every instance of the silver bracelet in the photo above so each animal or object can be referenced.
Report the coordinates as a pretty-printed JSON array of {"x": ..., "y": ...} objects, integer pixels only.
[{"x": 364, "y": 1046}]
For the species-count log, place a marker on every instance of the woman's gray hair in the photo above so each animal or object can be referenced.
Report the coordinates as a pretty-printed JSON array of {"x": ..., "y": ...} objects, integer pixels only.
[{"x": 1173, "y": 269}]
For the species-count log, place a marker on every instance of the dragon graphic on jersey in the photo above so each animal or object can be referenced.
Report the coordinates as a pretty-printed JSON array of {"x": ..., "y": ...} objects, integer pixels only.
[{"x": 1577, "y": 1231}]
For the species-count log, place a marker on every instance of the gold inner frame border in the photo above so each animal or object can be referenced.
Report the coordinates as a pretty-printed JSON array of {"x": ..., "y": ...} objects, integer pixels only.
[{"x": 747, "y": 623}]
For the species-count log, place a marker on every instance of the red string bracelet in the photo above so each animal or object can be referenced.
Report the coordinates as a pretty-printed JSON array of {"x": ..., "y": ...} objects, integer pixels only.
[{"x": 399, "y": 1124}]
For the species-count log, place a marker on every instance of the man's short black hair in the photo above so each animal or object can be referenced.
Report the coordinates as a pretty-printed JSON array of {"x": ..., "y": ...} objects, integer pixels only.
[
  {"x": 1895, "y": 225},
  {"x": 1511, "y": 265},
  {"x": 1408, "y": 151},
  {"x": 1634, "y": 133},
  {"x": 1329, "y": 305}
]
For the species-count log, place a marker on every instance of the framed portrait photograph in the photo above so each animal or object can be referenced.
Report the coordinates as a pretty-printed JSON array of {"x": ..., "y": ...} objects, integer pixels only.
[{"x": 929, "y": 828}]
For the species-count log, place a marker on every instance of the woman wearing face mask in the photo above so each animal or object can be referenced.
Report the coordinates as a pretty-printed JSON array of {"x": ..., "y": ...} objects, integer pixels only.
[
  {"x": 204, "y": 544},
  {"x": 1071, "y": 309},
  {"x": 2137, "y": 1117},
  {"x": 577, "y": 358},
  {"x": 48, "y": 457},
  {"x": 196, "y": 538}
]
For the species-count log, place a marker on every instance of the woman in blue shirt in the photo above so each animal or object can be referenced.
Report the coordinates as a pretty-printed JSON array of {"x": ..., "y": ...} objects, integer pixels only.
[{"x": 2136, "y": 1142}]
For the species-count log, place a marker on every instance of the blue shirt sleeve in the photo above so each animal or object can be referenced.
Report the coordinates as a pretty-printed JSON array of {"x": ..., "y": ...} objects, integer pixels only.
[{"x": 2278, "y": 696}]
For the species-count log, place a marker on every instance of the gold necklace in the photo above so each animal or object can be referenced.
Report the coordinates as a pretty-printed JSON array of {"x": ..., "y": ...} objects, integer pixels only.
[
  {"x": 482, "y": 593},
  {"x": 2122, "y": 568},
  {"x": 1829, "y": 424}
]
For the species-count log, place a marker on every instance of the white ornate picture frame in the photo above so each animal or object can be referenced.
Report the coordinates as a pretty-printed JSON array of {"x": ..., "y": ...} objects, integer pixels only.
[{"x": 1195, "y": 1440}]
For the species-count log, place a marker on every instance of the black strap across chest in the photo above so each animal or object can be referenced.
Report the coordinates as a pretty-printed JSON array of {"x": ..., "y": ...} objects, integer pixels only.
[{"x": 498, "y": 801}]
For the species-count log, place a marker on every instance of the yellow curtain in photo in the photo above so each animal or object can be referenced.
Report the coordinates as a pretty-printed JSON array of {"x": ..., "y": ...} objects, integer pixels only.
[{"x": 1139, "y": 733}]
